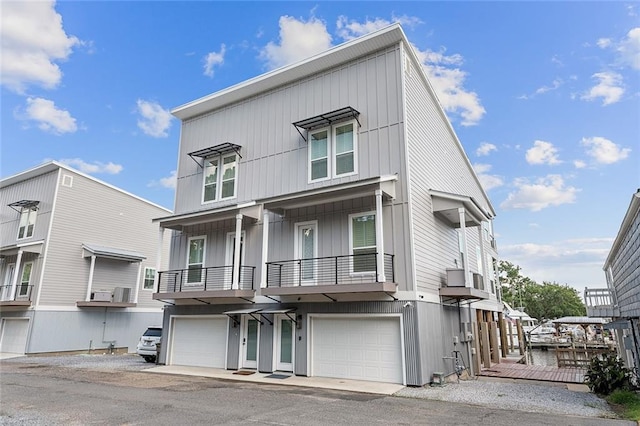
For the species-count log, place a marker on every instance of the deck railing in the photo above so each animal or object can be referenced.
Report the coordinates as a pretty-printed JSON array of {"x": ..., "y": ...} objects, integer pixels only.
[
  {"x": 205, "y": 279},
  {"x": 600, "y": 302},
  {"x": 23, "y": 292},
  {"x": 331, "y": 270}
]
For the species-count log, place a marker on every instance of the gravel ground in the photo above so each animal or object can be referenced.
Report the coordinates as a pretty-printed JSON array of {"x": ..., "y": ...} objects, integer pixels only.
[
  {"x": 535, "y": 398},
  {"x": 488, "y": 392}
]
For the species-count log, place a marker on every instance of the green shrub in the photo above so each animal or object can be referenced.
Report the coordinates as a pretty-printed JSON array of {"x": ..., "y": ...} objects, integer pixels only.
[{"x": 607, "y": 374}]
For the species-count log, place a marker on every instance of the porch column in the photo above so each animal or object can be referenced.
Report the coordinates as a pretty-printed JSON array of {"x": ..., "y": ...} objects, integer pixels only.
[
  {"x": 465, "y": 254},
  {"x": 483, "y": 260},
  {"x": 14, "y": 281},
  {"x": 236, "y": 253},
  {"x": 265, "y": 249},
  {"x": 90, "y": 282},
  {"x": 156, "y": 283},
  {"x": 379, "y": 237},
  {"x": 138, "y": 283}
]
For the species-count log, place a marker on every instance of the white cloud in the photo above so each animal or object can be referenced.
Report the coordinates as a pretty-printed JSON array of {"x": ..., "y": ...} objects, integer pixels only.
[
  {"x": 485, "y": 148},
  {"x": 579, "y": 164},
  {"x": 487, "y": 181},
  {"x": 348, "y": 30},
  {"x": 629, "y": 49},
  {"x": 544, "y": 192},
  {"x": 214, "y": 59},
  {"x": 609, "y": 88},
  {"x": 448, "y": 81},
  {"x": 603, "y": 43},
  {"x": 604, "y": 151},
  {"x": 92, "y": 168},
  {"x": 166, "y": 182},
  {"x": 299, "y": 39},
  {"x": 543, "y": 153},
  {"x": 155, "y": 120},
  {"x": 33, "y": 40},
  {"x": 554, "y": 85},
  {"x": 576, "y": 262},
  {"x": 48, "y": 117}
]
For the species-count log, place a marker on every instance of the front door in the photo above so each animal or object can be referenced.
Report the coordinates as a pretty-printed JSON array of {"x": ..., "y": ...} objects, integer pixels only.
[
  {"x": 8, "y": 279},
  {"x": 250, "y": 343},
  {"x": 306, "y": 250},
  {"x": 284, "y": 343}
]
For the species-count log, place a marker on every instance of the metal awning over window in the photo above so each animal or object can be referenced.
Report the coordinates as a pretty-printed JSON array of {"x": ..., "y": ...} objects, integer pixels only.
[
  {"x": 326, "y": 119},
  {"x": 220, "y": 149},
  {"x": 250, "y": 312},
  {"x": 24, "y": 204},
  {"x": 112, "y": 253}
]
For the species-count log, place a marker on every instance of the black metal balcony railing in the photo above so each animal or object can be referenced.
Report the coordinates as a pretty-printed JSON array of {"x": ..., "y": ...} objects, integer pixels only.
[
  {"x": 332, "y": 270},
  {"x": 204, "y": 279},
  {"x": 23, "y": 292}
]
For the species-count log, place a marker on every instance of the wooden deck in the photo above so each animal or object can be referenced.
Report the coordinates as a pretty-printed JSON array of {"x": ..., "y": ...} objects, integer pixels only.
[{"x": 512, "y": 370}]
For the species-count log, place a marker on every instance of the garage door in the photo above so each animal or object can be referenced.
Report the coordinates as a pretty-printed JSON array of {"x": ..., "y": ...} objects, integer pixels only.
[
  {"x": 357, "y": 348},
  {"x": 14, "y": 335},
  {"x": 199, "y": 342}
]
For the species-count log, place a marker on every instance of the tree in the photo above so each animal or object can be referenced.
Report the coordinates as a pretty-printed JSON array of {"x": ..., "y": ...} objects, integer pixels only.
[{"x": 550, "y": 300}]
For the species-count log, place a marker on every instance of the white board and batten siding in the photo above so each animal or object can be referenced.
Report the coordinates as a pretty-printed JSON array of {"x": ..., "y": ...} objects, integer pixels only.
[
  {"x": 436, "y": 161},
  {"x": 198, "y": 341},
  {"x": 357, "y": 347}
]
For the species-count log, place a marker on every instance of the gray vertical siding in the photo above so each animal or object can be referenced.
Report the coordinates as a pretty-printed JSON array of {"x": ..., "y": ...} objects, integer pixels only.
[
  {"x": 274, "y": 156},
  {"x": 40, "y": 188},
  {"x": 265, "y": 354},
  {"x": 436, "y": 161},
  {"x": 625, "y": 269}
]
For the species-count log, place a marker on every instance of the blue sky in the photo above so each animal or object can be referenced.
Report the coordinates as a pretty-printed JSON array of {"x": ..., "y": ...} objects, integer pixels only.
[{"x": 544, "y": 96}]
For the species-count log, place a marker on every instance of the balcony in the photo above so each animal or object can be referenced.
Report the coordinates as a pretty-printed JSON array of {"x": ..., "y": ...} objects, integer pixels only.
[
  {"x": 331, "y": 275},
  {"x": 205, "y": 285},
  {"x": 600, "y": 303},
  {"x": 20, "y": 299}
]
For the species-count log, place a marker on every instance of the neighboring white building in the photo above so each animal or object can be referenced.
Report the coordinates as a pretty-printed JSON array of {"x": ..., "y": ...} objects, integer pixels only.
[{"x": 78, "y": 262}]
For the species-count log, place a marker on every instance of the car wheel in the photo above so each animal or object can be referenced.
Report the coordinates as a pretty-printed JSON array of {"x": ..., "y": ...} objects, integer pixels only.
[{"x": 150, "y": 358}]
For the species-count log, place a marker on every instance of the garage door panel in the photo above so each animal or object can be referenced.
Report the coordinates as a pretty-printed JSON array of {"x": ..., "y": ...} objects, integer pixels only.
[
  {"x": 357, "y": 348},
  {"x": 14, "y": 336},
  {"x": 199, "y": 342}
]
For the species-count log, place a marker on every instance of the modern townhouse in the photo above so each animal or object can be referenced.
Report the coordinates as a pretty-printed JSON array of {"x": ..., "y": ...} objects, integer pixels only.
[
  {"x": 620, "y": 301},
  {"x": 78, "y": 262},
  {"x": 328, "y": 223}
]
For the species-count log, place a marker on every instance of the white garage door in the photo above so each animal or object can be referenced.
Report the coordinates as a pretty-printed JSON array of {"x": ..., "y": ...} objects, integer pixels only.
[
  {"x": 14, "y": 335},
  {"x": 199, "y": 342},
  {"x": 357, "y": 348}
]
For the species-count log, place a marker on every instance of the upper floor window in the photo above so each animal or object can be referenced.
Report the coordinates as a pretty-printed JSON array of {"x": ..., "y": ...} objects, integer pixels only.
[
  {"x": 332, "y": 151},
  {"x": 220, "y": 173},
  {"x": 27, "y": 222},
  {"x": 149, "y": 278}
]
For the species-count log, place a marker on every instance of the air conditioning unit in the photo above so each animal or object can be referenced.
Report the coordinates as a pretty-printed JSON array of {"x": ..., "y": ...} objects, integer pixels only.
[
  {"x": 121, "y": 294},
  {"x": 478, "y": 281},
  {"x": 101, "y": 296},
  {"x": 455, "y": 277}
]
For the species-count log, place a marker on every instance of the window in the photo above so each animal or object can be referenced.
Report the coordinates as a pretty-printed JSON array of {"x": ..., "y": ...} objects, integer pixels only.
[
  {"x": 27, "y": 222},
  {"x": 195, "y": 260},
  {"x": 23, "y": 290},
  {"x": 332, "y": 150},
  {"x": 149, "y": 278},
  {"x": 363, "y": 242},
  {"x": 220, "y": 177}
]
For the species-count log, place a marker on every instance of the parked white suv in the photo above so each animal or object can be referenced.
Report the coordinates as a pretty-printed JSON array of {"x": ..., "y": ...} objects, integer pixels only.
[{"x": 147, "y": 345}]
